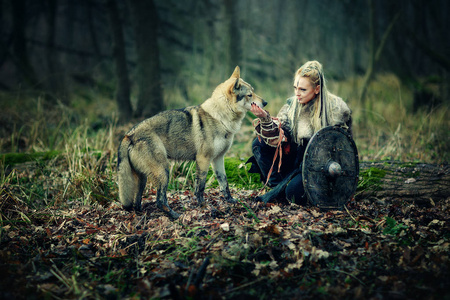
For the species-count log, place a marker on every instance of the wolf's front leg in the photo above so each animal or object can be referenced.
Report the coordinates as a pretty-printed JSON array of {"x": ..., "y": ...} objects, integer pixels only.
[
  {"x": 200, "y": 179},
  {"x": 219, "y": 171}
]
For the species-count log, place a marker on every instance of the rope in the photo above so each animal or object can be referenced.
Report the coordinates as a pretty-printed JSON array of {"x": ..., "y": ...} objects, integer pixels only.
[{"x": 279, "y": 149}]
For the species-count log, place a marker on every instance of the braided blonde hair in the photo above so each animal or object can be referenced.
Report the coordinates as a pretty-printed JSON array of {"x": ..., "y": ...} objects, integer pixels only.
[{"x": 321, "y": 115}]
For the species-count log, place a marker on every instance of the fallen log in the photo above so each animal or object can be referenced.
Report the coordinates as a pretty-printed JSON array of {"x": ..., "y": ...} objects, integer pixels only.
[{"x": 417, "y": 182}]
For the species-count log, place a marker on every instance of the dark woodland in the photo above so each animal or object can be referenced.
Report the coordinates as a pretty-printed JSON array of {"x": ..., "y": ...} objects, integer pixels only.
[{"x": 75, "y": 75}]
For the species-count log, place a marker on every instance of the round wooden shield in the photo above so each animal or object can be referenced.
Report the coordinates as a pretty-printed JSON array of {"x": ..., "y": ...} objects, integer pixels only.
[{"x": 330, "y": 168}]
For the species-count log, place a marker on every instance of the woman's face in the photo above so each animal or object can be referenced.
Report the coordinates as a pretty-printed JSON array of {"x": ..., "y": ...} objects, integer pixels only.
[{"x": 304, "y": 90}]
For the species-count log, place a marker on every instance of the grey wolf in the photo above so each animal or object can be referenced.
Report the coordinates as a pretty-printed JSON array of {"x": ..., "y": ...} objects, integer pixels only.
[{"x": 201, "y": 133}]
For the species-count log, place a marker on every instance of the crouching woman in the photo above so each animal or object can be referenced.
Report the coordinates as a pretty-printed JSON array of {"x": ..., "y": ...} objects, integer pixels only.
[{"x": 281, "y": 142}]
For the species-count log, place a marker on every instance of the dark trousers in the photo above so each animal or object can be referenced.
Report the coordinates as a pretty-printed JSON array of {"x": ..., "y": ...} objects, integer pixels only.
[{"x": 291, "y": 161}]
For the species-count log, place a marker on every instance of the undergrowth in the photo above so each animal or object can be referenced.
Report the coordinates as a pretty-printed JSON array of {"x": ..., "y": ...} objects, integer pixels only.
[{"x": 71, "y": 155}]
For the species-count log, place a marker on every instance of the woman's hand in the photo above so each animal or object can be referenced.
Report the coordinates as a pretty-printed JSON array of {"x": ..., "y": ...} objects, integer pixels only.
[
  {"x": 264, "y": 116},
  {"x": 258, "y": 111}
]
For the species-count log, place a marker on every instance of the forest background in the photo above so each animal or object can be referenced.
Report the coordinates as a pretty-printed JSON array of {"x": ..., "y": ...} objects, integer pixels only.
[
  {"x": 76, "y": 75},
  {"x": 124, "y": 59}
]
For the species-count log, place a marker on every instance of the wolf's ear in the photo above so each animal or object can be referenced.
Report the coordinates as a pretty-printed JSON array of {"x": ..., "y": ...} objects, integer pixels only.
[
  {"x": 237, "y": 86},
  {"x": 236, "y": 73}
]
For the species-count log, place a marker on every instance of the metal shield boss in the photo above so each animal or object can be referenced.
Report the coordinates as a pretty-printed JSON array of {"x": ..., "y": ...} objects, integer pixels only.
[{"x": 330, "y": 168}]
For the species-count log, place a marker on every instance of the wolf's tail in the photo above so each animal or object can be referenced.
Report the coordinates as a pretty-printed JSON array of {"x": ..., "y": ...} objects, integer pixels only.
[{"x": 126, "y": 175}]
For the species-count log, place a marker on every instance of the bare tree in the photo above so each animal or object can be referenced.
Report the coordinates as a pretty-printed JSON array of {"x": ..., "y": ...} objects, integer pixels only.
[
  {"x": 55, "y": 79},
  {"x": 20, "y": 50},
  {"x": 123, "y": 84},
  {"x": 375, "y": 53},
  {"x": 145, "y": 21},
  {"x": 234, "y": 35}
]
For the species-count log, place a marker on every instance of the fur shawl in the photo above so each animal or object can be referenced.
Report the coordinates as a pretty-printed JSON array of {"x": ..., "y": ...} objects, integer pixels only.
[{"x": 340, "y": 114}]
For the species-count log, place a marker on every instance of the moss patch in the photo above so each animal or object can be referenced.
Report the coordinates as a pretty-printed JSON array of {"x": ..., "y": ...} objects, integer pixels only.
[
  {"x": 370, "y": 179},
  {"x": 238, "y": 175},
  {"x": 11, "y": 159}
]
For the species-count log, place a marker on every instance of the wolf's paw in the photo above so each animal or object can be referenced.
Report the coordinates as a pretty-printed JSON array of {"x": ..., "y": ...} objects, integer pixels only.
[
  {"x": 200, "y": 201},
  {"x": 168, "y": 211},
  {"x": 131, "y": 208},
  {"x": 128, "y": 207},
  {"x": 172, "y": 214},
  {"x": 231, "y": 200}
]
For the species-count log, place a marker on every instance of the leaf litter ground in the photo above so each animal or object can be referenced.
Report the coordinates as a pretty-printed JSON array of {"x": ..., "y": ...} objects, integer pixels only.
[{"x": 378, "y": 250}]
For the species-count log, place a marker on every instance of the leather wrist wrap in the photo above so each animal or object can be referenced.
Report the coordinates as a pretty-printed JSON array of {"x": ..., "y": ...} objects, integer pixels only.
[{"x": 266, "y": 129}]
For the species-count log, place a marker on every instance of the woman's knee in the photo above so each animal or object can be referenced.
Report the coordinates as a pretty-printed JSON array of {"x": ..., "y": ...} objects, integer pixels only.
[
  {"x": 261, "y": 149},
  {"x": 257, "y": 145}
]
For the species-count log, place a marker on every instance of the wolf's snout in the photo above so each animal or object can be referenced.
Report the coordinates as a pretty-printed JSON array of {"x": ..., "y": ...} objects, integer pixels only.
[{"x": 263, "y": 103}]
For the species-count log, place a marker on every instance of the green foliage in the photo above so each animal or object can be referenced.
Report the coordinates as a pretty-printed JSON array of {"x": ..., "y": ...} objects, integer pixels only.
[{"x": 392, "y": 227}]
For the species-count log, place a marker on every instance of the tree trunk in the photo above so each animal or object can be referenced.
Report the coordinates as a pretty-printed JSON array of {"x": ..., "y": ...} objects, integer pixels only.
[
  {"x": 55, "y": 84},
  {"x": 374, "y": 53},
  {"x": 415, "y": 182},
  {"x": 369, "y": 70},
  {"x": 145, "y": 18},
  {"x": 429, "y": 51},
  {"x": 20, "y": 49},
  {"x": 234, "y": 35},
  {"x": 123, "y": 84},
  {"x": 92, "y": 30}
]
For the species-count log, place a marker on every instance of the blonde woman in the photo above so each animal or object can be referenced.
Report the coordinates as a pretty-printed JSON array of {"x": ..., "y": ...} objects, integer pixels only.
[{"x": 312, "y": 108}]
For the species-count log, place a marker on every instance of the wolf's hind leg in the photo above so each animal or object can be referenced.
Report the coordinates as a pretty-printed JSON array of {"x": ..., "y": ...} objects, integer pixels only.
[
  {"x": 127, "y": 178},
  {"x": 161, "y": 196},
  {"x": 128, "y": 182},
  {"x": 221, "y": 176},
  {"x": 141, "y": 188}
]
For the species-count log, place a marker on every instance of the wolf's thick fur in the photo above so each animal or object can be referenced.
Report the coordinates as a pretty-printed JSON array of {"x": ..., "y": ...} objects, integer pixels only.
[{"x": 203, "y": 133}]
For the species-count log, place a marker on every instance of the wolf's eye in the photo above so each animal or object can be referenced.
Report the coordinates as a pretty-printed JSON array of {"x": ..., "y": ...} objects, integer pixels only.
[{"x": 249, "y": 95}]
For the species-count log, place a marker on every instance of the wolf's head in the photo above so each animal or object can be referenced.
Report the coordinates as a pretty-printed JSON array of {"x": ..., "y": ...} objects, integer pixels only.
[
  {"x": 232, "y": 99},
  {"x": 241, "y": 94}
]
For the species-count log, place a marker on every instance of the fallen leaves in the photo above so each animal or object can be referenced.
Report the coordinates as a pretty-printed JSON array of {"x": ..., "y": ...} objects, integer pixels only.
[{"x": 275, "y": 250}]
